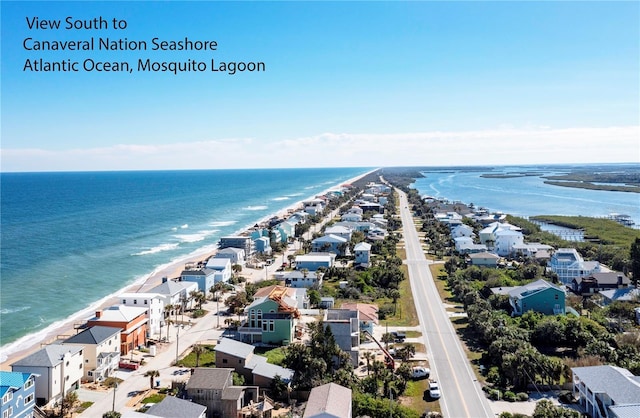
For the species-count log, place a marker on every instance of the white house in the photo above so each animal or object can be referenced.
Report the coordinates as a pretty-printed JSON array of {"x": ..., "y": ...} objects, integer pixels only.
[
  {"x": 155, "y": 304},
  {"x": 568, "y": 264},
  {"x": 101, "y": 351},
  {"x": 235, "y": 255},
  {"x": 506, "y": 239},
  {"x": 221, "y": 268},
  {"x": 58, "y": 369},
  {"x": 488, "y": 234},
  {"x": 174, "y": 293},
  {"x": 339, "y": 231},
  {"x": 363, "y": 252},
  {"x": 462, "y": 231},
  {"x": 330, "y": 243}
]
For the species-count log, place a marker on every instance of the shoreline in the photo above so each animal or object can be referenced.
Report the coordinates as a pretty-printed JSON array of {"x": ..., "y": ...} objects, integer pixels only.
[{"x": 31, "y": 343}]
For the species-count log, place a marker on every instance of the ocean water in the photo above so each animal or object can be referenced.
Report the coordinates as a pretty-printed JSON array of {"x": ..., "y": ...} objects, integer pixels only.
[
  {"x": 529, "y": 195},
  {"x": 70, "y": 240}
]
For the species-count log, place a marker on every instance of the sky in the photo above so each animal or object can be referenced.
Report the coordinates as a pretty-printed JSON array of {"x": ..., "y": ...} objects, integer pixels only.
[{"x": 346, "y": 84}]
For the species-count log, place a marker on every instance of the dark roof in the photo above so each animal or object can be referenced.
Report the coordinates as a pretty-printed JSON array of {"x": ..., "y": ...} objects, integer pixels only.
[
  {"x": 94, "y": 335},
  {"x": 49, "y": 356},
  {"x": 171, "y": 407},
  {"x": 207, "y": 378},
  {"x": 233, "y": 393}
]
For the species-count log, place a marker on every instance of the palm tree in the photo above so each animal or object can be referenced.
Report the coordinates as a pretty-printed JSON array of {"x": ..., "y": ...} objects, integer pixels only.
[
  {"x": 197, "y": 350},
  {"x": 193, "y": 295},
  {"x": 369, "y": 356},
  {"x": 152, "y": 374}
]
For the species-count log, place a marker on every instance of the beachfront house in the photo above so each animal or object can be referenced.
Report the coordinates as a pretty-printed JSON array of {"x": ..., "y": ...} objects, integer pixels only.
[
  {"x": 254, "y": 368},
  {"x": 155, "y": 312},
  {"x": 101, "y": 351},
  {"x": 214, "y": 389},
  {"x": 243, "y": 242},
  {"x": 539, "y": 296},
  {"x": 362, "y": 251},
  {"x": 345, "y": 327},
  {"x": 272, "y": 317},
  {"x": 314, "y": 260},
  {"x": 568, "y": 264},
  {"x": 57, "y": 368},
  {"x": 313, "y": 206},
  {"x": 235, "y": 255},
  {"x": 331, "y": 244},
  {"x": 329, "y": 401},
  {"x": 174, "y": 293},
  {"x": 262, "y": 245},
  {"x": 607, "y": 391},
  {"x": 18, "y": 394},
  {"x": 204, "y": 277},
  {"x": 131, "y": 320},
  {"x": 221, "y": 267}
]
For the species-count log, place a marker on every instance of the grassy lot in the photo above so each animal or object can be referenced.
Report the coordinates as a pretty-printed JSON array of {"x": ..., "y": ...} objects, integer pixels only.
[
  {"x": 207, "y": 359},
  {"x": 414, "y": 397},
  {"x": 155, "y": 398},
  {"x": 273, "y": 355}
]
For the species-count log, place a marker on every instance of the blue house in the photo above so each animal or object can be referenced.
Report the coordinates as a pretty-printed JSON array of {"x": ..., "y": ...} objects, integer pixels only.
[
  {"x": 18, "y": 392},
  {"x": 539, "y": 296},
  {"x": 205, "y": 278}
]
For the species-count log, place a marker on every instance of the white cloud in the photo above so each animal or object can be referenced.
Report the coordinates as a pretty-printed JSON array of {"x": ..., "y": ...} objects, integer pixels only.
[{"x": 501, "y": 146}]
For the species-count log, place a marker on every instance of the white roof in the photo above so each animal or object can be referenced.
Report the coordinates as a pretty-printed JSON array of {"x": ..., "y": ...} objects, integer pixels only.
[
  {"x": 218, "y": 263},
  {"x": 120, "y": 313},
  {"x": 362, "y": 246}
]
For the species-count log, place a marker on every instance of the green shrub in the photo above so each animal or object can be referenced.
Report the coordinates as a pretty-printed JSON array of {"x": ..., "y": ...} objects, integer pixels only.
[
  {"x": 495, "y": 394},
  {"x": 522, "y": 396},
  {"x": 509, "y": 396}
]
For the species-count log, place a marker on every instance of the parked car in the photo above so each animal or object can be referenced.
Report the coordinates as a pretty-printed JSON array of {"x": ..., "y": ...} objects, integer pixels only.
[
  {"x": 398, "y": 337},
  {"x": 434, "y": 390},
  {"x": 420, "y": 372}
]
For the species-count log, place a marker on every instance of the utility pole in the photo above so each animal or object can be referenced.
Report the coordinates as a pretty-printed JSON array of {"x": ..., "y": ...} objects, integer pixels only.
[{"x": 113, "y": 405}]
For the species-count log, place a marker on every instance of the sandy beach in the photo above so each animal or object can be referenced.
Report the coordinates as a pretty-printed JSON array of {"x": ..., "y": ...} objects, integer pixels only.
[{"x": 66, "y": 328}]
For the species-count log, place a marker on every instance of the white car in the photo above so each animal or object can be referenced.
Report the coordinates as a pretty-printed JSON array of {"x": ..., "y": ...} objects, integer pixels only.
[
  {"x": 420, "y": 372},
  {"x": 434, "y": 390}
]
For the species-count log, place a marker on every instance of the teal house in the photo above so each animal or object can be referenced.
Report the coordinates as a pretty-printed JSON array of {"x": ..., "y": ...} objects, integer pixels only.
[
  {"x": 539, "y": 296},
  {"x": 272, "y": 317}
]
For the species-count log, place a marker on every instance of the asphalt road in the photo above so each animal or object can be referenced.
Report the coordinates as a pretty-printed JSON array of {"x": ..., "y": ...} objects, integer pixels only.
[{"x": 462, "y": 396}]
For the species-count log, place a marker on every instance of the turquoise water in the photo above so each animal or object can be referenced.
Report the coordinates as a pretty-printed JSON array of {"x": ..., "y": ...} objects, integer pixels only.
[{"x": 70, "y": 240}]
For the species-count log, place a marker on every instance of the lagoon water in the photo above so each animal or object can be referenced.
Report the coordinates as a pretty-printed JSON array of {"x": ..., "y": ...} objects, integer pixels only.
[
  {"x": 528, "y": 195},
  {"x": 70, "y": 240}
]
